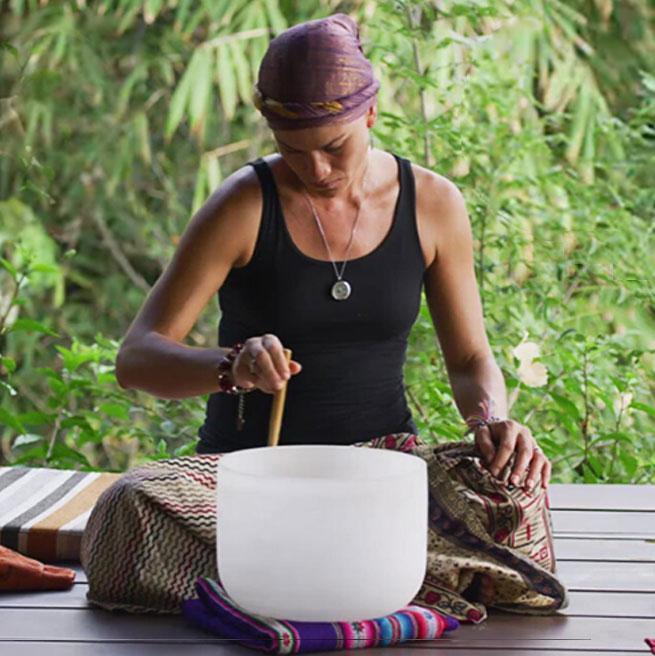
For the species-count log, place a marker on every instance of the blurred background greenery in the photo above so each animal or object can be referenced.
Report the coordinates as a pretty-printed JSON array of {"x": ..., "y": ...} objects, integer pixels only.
[{"x": 118, "y": 118}]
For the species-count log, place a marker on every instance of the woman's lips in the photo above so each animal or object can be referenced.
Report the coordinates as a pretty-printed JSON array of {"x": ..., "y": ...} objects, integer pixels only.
[{"x": 327, "y": 185}]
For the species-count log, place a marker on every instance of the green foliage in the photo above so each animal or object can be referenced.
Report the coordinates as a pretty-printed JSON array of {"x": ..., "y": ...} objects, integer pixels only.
[
  {"x": 79, "y": 417},
  {"x": 118, "y": 119}
]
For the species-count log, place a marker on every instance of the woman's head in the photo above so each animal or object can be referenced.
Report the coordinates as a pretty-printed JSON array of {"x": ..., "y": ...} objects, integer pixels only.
[
  {"x": 317, "y": 91},
  {"x": 315, "y": 74}
]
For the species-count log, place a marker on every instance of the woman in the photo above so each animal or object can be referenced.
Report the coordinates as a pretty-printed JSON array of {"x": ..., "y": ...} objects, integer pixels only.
[
  {"x": 325, "y": 248},
  {"x": 275, "y": 238}
]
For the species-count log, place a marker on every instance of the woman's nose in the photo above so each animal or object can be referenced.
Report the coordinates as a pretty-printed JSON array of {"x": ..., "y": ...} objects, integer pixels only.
[{"x": 320, "y": 168}]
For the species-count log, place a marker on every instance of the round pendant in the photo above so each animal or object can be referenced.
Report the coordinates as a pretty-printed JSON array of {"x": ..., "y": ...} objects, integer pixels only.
[{"x": 340, "y": 290}]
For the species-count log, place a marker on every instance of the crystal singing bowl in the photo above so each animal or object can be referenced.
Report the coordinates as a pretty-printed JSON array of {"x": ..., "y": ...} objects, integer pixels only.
[{"x": 322, "y": 533}]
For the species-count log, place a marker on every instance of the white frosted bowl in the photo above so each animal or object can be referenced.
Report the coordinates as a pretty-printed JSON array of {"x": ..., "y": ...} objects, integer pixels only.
[{"x": 322, "y": 533}]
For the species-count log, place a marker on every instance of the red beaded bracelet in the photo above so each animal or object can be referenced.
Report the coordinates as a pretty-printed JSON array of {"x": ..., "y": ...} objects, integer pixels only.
[{"x": 225, "y": 380}]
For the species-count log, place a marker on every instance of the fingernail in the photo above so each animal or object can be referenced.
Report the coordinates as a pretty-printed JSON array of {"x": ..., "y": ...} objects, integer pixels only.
[
  {"x": 515, "y": 479},
  {"x": 529, "y": 484}
]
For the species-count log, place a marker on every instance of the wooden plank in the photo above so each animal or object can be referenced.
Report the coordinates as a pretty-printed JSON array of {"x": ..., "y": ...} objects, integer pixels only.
[
  {"x": 604, "y": 550},
  {"x": 611, "y": 604},
  {"x": 504, "y": 632},
  {"x": 604, "y": 523},
  {"x": 566, "y": 548},
  {"x": 576, "y": 574},
  {"x": 122, "y": 649},
  {"x": 583, "y": 604},
  {"x": 612, "y": 549},
  {"x": 601, "y": 497},
  {"x": 588, "y": 634},
  {"x": 73, "y": 598},
  {"x": 95, "y": 625},
  {"x": 162, "y": 649},
  {"x": 617, "y": 577}
]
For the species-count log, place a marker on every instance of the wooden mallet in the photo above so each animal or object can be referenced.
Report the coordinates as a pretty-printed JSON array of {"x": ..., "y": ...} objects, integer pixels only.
[{"x": 275, "y": 421}]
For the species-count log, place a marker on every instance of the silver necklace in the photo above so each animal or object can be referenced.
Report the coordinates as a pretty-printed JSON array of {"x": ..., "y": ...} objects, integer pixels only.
[{"x": 341, "y": 289}]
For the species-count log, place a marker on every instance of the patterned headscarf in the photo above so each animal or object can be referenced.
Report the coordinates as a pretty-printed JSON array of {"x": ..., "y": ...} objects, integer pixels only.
[{"x": 314, "y": 74}]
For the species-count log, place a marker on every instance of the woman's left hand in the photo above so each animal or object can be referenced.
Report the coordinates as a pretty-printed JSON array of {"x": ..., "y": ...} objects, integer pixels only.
[{"x": 499, "y": 440}]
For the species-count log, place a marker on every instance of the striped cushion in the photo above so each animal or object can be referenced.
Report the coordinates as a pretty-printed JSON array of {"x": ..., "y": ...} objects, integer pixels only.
[{"x": 43, "y": 512}]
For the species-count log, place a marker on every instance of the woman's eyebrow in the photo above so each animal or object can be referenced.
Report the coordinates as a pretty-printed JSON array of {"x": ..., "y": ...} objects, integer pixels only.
[{"x": 321, "y": 148}]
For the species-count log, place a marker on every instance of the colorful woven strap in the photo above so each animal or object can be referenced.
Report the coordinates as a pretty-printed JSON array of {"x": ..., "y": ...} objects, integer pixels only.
[{"x": 215, "y": 612}]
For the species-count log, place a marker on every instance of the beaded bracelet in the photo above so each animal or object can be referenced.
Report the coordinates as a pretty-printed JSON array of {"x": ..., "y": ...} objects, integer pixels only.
[
  {"x": 225, "y": 380},
  {"x": 484, "y": 418}
]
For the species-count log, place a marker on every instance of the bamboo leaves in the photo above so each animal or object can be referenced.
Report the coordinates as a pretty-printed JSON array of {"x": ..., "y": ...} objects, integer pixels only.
[
  {"x": 227, "y": 81},
  {"x": 178, "y": 103},
  {"x": 582, "y": 121},
  {"x": 200, "y": 90},
  {"x": 227, "y": 62},
  {"x": 243, "y": 74}
]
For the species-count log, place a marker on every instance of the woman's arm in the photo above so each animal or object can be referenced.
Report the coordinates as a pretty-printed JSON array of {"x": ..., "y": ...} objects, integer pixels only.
[
  {"x": 222, "y": 234},
  {"x": 454, "y": 302}
]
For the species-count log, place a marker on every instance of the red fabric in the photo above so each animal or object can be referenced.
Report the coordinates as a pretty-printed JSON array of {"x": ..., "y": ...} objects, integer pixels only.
[
  {"x": 18, "y": 572},
  {"x": 651, "y": 643}
]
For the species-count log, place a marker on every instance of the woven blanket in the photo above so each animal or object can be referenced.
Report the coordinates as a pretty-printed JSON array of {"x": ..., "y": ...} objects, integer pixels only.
[
  {"x": 153, "y": 533},
  {"x": 43, "y": 512},
  {"x": 214, "y": 611}
]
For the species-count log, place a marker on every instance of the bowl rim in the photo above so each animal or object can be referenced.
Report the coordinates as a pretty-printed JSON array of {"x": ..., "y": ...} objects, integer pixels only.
[{"x": 421, "y": 465}]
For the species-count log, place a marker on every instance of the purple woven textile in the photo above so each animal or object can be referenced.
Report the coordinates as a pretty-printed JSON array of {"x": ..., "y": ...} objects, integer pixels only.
[
  {"x": 215, "y": 612},
  {"x": 314, "y": 74}
]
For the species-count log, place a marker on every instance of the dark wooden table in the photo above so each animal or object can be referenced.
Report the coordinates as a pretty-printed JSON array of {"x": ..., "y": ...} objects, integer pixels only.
[{"x": 605, "y": 546}]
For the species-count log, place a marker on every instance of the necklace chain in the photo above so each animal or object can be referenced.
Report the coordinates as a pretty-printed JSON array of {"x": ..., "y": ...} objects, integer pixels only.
[{"x": 337, "y": 273}]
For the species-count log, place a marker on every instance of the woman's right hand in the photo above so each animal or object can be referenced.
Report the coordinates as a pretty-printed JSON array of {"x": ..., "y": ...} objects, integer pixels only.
[{"x": 262, "y": 364}]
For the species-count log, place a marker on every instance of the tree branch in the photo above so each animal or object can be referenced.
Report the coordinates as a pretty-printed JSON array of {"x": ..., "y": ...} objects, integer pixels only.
[
  {"x": 414, "y": 15},
  {"x": 118, "y": 254}
]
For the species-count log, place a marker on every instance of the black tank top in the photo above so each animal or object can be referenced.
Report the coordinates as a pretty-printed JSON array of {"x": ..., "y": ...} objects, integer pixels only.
[{"x": 352, "y": 352}]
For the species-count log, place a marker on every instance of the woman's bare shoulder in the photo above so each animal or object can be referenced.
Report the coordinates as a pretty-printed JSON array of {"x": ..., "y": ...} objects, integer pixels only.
[
  {"x": 434, "y": 187},
  {"x": 239, "y": 191},
  {"x": 440, "y": 211},
  {"x": 232, "y": 214}
]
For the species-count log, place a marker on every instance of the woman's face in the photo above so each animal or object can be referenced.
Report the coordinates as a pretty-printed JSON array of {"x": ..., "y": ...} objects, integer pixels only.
[{"x": 329, "y": 158}]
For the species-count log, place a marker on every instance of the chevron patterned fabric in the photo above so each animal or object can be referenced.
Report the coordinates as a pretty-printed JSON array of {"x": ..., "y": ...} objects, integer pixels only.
[{"x": 153, "y": 533}]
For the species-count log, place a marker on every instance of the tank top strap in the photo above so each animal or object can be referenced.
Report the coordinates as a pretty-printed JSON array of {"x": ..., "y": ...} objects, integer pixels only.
[
  {"x": 407, "y": 200},
  {"x": 406, "y": 241},
  {"x": 269, "y": 226},
  {"x": 269, "y": 191}
]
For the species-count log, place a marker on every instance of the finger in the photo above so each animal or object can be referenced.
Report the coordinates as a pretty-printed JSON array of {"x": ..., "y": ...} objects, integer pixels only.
[
  {"x": 535, "y": 470},
  {"x": 295, "y": 367},
  {"x": 275, "y": 350},
  {"x": 485, "y": 444},
  {"x": 504, "y": 434},
  {"x": 246, "y": 363},
  {"x": 268, "y": 379},
  {"x": 545, "y": 476},
  {"x": 524, "y": 453}
]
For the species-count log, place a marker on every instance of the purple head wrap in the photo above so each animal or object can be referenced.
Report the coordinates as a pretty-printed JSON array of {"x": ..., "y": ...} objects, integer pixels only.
[{"x": 314, "y": 74}]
